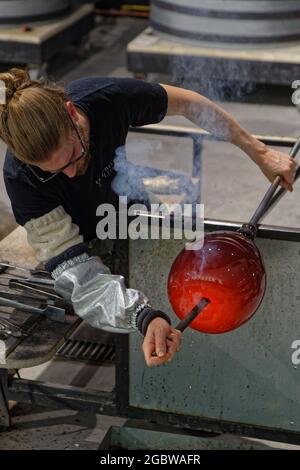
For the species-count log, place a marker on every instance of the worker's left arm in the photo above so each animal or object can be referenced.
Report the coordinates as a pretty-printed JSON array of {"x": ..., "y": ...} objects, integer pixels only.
[{"x": 213, "y": 118}]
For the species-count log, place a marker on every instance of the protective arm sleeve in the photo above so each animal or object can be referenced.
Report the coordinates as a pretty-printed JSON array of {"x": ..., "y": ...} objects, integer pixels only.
[{"x": 97, "y": 296}]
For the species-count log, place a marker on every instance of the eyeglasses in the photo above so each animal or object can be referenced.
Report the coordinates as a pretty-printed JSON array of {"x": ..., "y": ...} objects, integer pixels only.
[{"x": 46, "y": 176}]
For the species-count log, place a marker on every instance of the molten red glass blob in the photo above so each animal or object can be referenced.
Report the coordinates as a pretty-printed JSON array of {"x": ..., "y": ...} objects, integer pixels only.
[{"x": 229, "y": 271}]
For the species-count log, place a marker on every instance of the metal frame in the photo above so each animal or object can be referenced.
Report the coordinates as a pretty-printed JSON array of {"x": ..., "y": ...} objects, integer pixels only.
[{"x": 197, "y": 133}]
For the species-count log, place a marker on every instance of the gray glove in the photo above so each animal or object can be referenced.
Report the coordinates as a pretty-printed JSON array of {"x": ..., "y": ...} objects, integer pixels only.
[{"x": 99, "y": 297}]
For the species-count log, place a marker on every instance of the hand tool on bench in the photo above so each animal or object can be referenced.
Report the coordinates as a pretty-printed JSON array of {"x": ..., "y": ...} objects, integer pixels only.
[
  {"x": 37, "y": 301},
  {"x": 33, "y": 271},
  {"x": 48, "y": 297},
  {"x": 51, "y": 312},
  {"x": 6, "y": 318},
  {"x": 9, "y": 330},
  {"x": 33, "y": 288},
  {"x": 6, "y": 323},
  {"x": 37, "y": 281},
  {"x": 26, "y": 325},
  {"x": 45, "y": 284},
  {"x": 5, "y": 333}
]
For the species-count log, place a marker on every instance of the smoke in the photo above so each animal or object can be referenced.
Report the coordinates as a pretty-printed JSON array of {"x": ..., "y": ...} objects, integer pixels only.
[
  {"x": 217, "y": 80},
  {"x": 149, "y": 185}
]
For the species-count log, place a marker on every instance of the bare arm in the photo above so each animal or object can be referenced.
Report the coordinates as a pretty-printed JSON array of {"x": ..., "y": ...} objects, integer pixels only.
[{"x": 213, "y": 118}]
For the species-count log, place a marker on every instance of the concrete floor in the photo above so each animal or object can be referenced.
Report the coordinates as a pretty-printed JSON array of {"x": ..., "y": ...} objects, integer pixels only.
[{"x": 231, "y": 188}]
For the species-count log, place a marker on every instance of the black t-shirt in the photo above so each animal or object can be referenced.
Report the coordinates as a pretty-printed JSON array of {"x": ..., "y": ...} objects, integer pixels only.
[{"x": 112, "y": 105}]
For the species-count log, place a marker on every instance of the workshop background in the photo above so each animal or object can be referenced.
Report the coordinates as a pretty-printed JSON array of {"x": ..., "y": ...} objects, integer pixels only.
[{"x": 200, "y": 45}]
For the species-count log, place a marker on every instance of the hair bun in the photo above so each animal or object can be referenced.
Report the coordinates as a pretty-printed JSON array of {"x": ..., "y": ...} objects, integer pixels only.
[{"x": 14, "y": 80}]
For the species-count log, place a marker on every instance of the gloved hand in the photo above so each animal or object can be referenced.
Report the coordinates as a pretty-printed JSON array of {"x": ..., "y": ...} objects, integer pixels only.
[{"x": 161, "y": 340}]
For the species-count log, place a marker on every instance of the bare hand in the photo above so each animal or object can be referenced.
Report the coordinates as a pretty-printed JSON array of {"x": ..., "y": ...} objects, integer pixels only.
[
  {"x": 161, "y": 342},
  {"x": 274, "y": 163}
]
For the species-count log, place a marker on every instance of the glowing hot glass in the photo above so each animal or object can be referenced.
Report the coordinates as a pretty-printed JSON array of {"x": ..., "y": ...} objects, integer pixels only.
[{"x": 229, "y": 271}]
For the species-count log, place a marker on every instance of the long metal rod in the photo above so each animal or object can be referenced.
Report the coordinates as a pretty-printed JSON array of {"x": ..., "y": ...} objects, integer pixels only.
[
  {"x": 183, "y": 324},
  {"x": 187, "y": 320},
  {"x": 277, "y": 196},
  {"x": 37, "y": 272},
  {"x": 265, "y": 203},
  {"x": 19, "y": 285},
  {"x": 194, "y": 132},
  {"x": 53, "y": 313}
]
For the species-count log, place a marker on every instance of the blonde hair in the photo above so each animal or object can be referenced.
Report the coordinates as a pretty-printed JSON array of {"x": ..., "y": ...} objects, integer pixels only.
[{"x": 33, "y": 119}]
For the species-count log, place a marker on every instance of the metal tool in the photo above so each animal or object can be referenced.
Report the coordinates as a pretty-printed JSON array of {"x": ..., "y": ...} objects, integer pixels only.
[
  {"x": 277, "y": 196},
  {"x": 2, "y": 269},
  {"x": 48, "y": 297},
  {"x": 24, "y": 298},
  {"x": 5, "y": 333},
  {"x": 51, "y": 312},
  {"x": 267, "y": 199},
  {"x": 37, "y": 281},
  {"x": 16, "y": 332},
  {"x": 33, "y": 271},
  {"x": 27, "y": 286},
  {"x": 5, "y": 315},
  {"x": 44, "y": 283},
  {"x": 7, "y": 276},
  {"x": 7, "y": 319},
  {"x": 27, "y": 324},
  {"x": 9, "y": 332},
  {"x": 187, "y": 320},
  {"x": 192, "y": 315}
]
